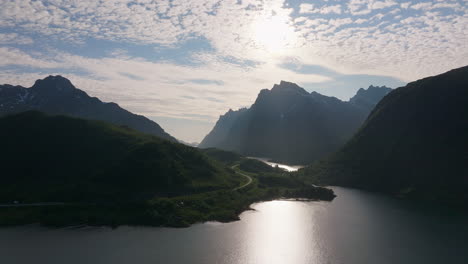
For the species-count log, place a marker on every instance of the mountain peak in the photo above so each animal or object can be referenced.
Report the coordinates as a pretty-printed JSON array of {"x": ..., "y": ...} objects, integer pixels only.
[
  {"x": 372, "y": 87},
  {"x": 288, "y": 124},
  {"x": 289, "y": 86},
  {"x": 58, "y": 96},
  {"x": 55, "y": 78},
  {"x": 369, "y": 97},
  {"x": 55, "y": 83},
  {"x": 287, "y": 83}
]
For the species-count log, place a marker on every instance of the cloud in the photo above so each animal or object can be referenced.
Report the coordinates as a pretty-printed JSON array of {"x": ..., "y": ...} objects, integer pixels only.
[
  {"x": 358, "y": 7},
  {"x": 331, "y": 9},
  {"x": 365, "y": 7},
  {"x": 405, "y": 5},
  {"x": 383, "y": 44},
  {"x": 306, "y": 8},
  {"x": 423, "y": 6},
  {"x": 13, "y": 56},
  {"x": 373, "y": 5},
  {"x": 229, "y": 28},
  {"x": 309, "y": 9},
  {"x": 14, "y": 38}
]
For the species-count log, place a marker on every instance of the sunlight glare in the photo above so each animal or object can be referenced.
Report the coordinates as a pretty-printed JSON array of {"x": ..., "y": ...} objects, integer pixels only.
[
  {"x": 278, "y": 235},
  {"x": 273, "y": 34}
]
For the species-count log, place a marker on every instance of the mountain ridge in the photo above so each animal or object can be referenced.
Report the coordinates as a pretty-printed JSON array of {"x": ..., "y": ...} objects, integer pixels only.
[
  {"x": 286, "y": 121},
  {"x": 57, "y": 95}
]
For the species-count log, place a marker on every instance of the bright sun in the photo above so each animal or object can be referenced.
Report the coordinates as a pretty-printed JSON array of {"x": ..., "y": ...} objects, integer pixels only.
[{"x": 273, "y": 34}]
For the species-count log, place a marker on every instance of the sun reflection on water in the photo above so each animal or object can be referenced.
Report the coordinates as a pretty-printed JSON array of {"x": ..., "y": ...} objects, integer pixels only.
[{"x": 282, "y": 233}]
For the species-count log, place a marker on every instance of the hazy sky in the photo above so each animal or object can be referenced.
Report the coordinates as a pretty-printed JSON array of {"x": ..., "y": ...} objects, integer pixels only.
[{"x": 184, "y": 63}]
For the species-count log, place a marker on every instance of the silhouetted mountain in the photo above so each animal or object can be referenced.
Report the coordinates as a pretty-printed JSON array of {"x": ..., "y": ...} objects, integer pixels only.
[
  {"x": 415, "y": 143},
  {"x": 290, "y": 125},
  {"x": 225, "y": 126},
  {"x": 57, "y": 95},
  {"x": 59, "y": 158},
  {"x": 368, "y": 98}
]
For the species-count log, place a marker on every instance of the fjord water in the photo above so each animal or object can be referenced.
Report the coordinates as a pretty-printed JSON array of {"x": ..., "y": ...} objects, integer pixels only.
[
  {"x": 280, "y": 165},
  {"x": 357, "y": 227}
]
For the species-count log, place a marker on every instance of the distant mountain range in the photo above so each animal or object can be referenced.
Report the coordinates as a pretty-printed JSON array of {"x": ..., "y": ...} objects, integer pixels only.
[
  {"x": 290, "y": 125},
  {"x": 414, "y": 143},
  {"x": 57, "y": 95}
]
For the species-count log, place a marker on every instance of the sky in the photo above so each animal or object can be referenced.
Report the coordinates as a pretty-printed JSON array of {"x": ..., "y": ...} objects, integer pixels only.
[{"x": 183, "y": 63}]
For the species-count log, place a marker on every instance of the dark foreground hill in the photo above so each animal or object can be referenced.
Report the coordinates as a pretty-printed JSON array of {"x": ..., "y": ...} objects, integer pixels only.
[
  {"x": 290, "y": 125},
  {"x": 414, "y": 143},
  {"x": 59, "y": 170},
  {"x": 56, "y": 95},
  {"x": 63, "y": 159}
]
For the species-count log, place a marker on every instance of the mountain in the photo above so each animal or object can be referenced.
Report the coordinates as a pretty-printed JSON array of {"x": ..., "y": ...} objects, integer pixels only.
[
  {"x": 368, "y": 98},
  {"x": 65, "y": 159},
  {"x": 414, "y": 143},
  {"x": 57, "y": 95},
  {"x": 290, "y": 125},
  {"x": 225, "y": 126}
]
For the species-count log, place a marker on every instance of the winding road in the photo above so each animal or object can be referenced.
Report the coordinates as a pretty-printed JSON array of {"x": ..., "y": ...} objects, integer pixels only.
[
  {"x": 245, "y": 175},
  {"x": 249, "y": 181}
]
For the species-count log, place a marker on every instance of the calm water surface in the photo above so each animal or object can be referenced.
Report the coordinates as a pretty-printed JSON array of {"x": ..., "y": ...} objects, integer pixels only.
[
  {"x": 274, "y": 164},
  {"x": 357, "y": 227}
]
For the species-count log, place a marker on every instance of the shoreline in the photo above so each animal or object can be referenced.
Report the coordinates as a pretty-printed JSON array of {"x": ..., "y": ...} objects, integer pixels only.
[{"x": 182, "y": 213}]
